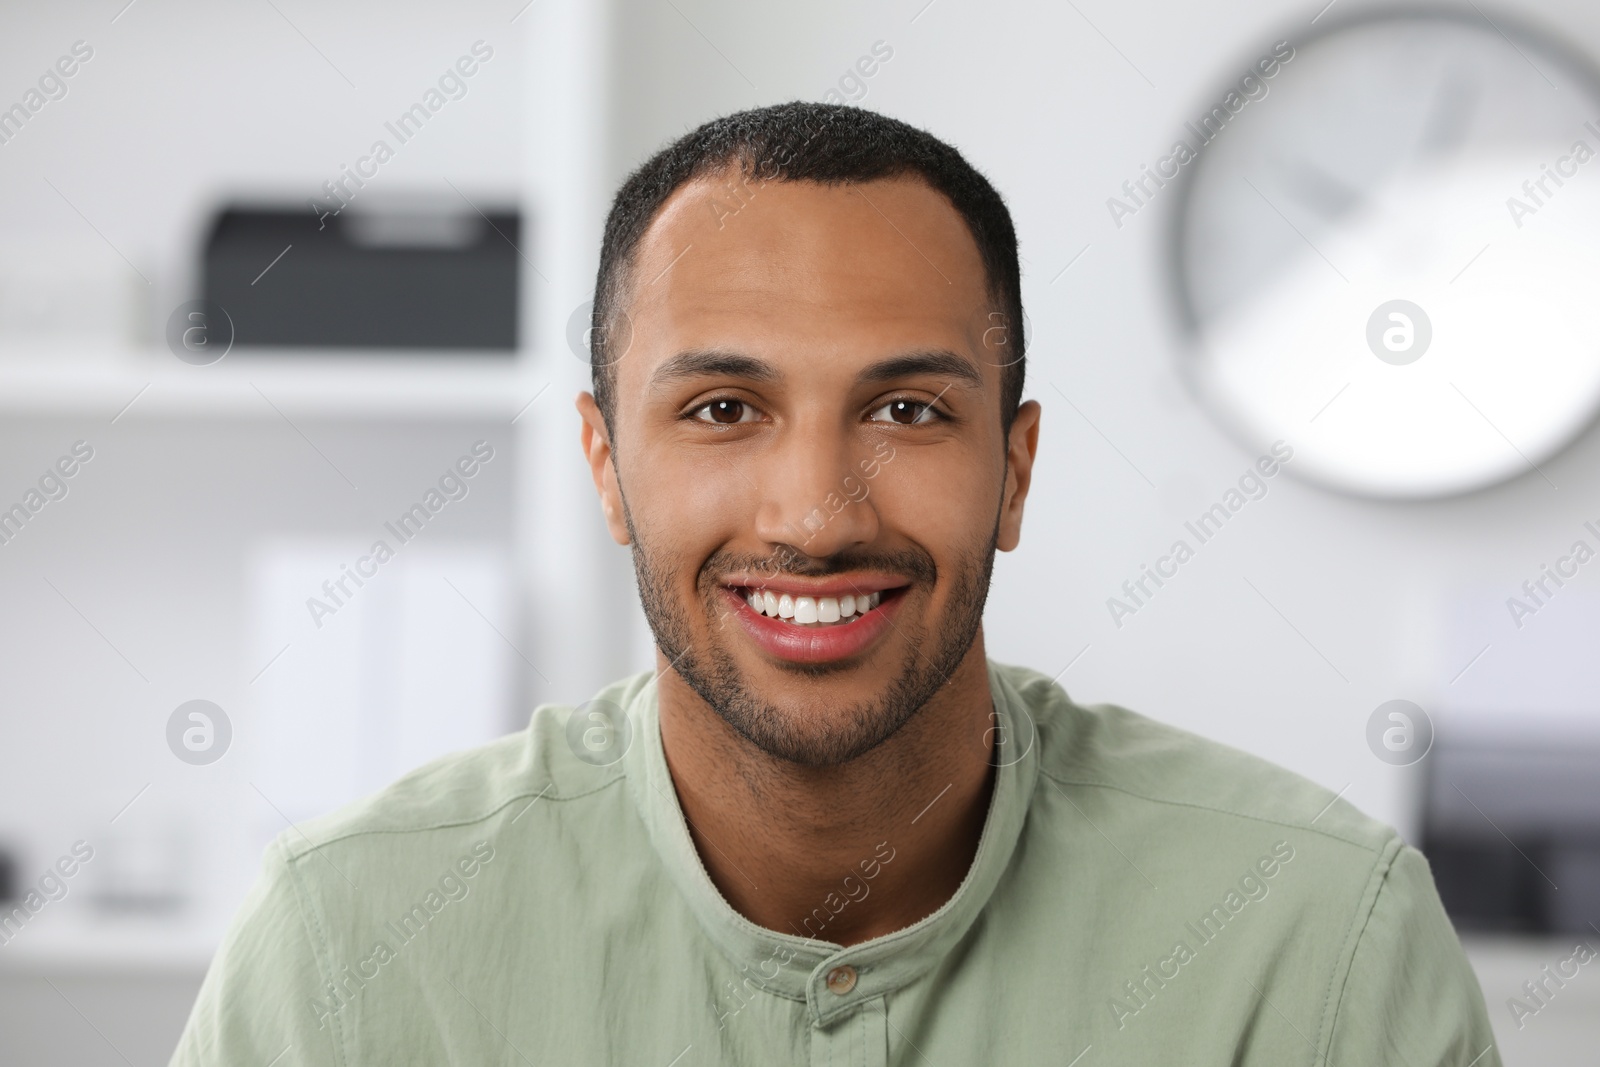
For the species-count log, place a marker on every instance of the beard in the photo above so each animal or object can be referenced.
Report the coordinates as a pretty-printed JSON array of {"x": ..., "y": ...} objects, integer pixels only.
[{"x": 814, "y": 735}]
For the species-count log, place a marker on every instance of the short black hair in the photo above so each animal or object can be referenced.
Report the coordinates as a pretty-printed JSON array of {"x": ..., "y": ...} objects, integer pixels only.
[{"x": 799, "y": 141}]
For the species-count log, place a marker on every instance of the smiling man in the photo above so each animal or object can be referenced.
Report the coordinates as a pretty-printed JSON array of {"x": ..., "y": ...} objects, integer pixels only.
[{"x": 827, "y": 829}]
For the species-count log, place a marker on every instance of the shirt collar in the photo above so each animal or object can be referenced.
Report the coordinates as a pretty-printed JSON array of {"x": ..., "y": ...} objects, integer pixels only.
[{"x": 798, "y": 967}]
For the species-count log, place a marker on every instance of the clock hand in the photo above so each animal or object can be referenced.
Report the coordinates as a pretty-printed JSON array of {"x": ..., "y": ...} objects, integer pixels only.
[
  {"x": 1455, "y": 102},
  {"x": 1317, "y": 188}
]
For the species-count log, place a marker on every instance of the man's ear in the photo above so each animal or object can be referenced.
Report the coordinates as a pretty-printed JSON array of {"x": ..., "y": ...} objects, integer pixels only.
[
  {"x": 1021, "y": 449},
  {"x": 596, "y": 441}
]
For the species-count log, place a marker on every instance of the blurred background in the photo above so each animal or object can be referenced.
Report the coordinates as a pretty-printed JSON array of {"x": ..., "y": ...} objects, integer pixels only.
[{"x": 241, "y": 344}]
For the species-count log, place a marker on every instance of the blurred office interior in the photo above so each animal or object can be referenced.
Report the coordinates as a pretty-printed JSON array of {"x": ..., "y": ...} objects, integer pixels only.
[{"x": 1378, "y": 615}]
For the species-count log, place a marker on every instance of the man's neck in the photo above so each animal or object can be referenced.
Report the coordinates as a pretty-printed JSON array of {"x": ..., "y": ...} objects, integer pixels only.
[{"x": 842, "y": 854}]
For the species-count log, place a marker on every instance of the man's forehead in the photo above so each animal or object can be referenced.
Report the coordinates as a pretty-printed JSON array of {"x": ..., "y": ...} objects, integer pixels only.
[
  {"x": 727, "y": 262},
  {"x": 816, "y": 279}
]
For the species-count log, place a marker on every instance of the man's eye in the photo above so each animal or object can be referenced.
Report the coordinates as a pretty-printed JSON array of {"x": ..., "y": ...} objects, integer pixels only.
[
  {"x": 725, "y": 412},
  {"x": 905, "y": 412}
]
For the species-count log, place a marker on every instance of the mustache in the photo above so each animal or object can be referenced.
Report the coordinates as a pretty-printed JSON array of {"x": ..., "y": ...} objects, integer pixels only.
[{"x": 912, "y": 563}]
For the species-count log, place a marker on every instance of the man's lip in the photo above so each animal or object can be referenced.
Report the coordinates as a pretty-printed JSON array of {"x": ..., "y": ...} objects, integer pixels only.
[
  {"x": 833, "y": 585},
  {"x": 784, "y": 640}
]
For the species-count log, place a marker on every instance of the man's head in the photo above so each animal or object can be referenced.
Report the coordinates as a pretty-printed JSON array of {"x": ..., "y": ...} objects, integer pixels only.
[{"x": 806, "y": 387}]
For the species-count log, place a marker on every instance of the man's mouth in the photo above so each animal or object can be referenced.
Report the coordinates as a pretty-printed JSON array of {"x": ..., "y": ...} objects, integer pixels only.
[
  {"x": 818, "y": 612},
  {"x": 816, "y": 620}
]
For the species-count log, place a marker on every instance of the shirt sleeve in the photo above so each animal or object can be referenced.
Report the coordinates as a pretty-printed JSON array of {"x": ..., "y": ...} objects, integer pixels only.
[
  {"x": 1410, "y": 996},
  {"x": 264, "y": 997}
]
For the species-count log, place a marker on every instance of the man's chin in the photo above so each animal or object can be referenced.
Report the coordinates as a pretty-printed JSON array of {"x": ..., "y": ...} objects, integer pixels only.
[
  {"x": 811, "y": 714},
  {"x": 812, "y": 737}
]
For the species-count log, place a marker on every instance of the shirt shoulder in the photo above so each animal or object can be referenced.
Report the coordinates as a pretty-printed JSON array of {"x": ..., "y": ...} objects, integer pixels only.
[
  {"x": 1163, "y": 836},
  {"x": 462, "y": 791},
  {"x": 357, "y": 915},
  {"x": 1189, "y": 777},
  {"x": 1407, "y": 959}
]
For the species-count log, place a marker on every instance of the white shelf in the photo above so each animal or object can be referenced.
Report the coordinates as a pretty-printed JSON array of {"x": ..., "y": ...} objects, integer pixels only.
[
  {"x": 141, "y": 385},
  {"x": 86, "y": 942}
]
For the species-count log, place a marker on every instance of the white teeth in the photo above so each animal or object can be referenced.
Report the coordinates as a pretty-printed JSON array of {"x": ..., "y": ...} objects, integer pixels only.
[{"x": 812, "y": 611}]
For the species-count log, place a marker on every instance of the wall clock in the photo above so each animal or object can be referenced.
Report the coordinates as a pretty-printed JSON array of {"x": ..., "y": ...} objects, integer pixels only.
[{"x": 1391, "y": 259}]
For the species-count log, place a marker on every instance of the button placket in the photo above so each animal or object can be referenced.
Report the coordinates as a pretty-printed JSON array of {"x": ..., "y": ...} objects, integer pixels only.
[{"x": 857, "y": 1038}]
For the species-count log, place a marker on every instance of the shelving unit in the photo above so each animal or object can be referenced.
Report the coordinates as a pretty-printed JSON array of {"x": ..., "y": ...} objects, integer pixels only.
[{"x": 561, "y": 554}]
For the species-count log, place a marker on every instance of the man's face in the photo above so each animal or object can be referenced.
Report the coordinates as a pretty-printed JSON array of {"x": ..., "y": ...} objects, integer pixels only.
[{"x": 808, "y": 419}]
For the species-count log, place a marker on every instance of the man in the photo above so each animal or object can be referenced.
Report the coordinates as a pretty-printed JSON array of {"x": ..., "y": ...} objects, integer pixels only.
[{"x": 835, "y": 834}]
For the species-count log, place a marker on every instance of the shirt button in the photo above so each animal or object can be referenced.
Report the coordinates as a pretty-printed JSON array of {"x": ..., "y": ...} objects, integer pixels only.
[{"x": 842, "y": 979}]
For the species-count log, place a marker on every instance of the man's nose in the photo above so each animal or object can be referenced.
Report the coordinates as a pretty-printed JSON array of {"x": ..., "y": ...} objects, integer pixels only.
[{"x": 813, "y": 498}]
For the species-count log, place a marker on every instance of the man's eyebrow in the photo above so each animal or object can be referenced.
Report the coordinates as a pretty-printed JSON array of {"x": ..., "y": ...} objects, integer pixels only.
[
  {"x": 941, "y": 363},
  {"x": 724, "y": 364},
  {"x": 697, "y": 364}
]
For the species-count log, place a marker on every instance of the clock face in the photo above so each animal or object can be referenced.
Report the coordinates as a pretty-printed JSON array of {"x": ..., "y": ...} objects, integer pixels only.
[{"x": 1390, "y": 257}]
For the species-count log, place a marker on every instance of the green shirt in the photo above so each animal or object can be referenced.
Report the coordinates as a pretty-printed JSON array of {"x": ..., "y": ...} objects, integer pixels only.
[{"x": 1139, "y": 896}]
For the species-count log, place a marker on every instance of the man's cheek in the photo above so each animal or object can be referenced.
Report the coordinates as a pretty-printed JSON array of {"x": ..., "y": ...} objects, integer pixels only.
[
  {"x": 946, "y": 508},
  {"x": 929, "y": 503}
]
